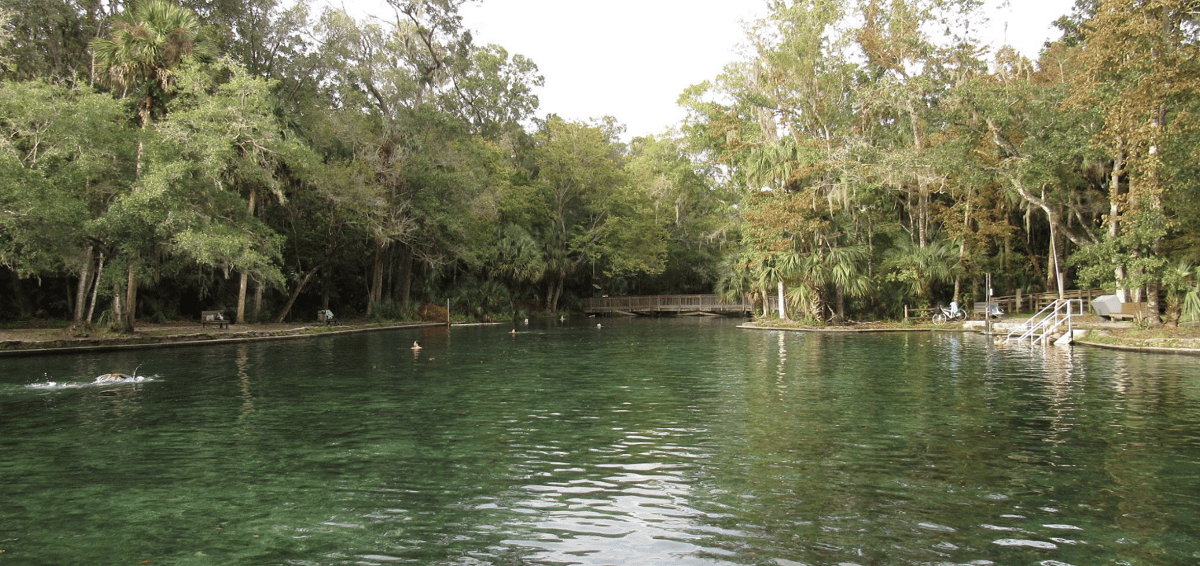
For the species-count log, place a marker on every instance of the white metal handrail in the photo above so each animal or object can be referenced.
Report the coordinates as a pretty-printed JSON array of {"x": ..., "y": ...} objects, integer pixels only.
[{"x": 1046, "y": 321}]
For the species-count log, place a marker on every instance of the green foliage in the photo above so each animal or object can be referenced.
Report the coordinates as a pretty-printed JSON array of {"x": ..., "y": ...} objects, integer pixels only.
[
  {"x": 389, "y": 310},
  {"x": 485, "y": 300},
  {"x": 854, "y": 156},
  {"x": 918, "y": 269},
  {"x": 517, "y": 256},
  {"x": 147, "y": 41},
  {"x": 1182, "y": 287},
  {"x": 61, "y": 162}
]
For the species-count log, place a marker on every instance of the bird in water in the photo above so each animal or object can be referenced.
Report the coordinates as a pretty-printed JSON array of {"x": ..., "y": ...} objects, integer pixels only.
[
  {"x": 597, "y": 325},
  {"x": 416, "y": 345},
  {"x": 513, "y": 332}
]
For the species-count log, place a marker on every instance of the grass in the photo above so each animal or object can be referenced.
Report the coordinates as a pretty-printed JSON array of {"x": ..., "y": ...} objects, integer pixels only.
[{"x": 1182, "y": 337}]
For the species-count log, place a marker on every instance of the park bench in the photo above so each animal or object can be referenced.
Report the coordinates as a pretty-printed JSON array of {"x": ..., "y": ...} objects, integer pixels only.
[
  {"x": 214, "y": 317},
  {"x": 1134, "y": 311},
  {"x": 981, "y": 310},
  {"x": 1109, "y": 307}
]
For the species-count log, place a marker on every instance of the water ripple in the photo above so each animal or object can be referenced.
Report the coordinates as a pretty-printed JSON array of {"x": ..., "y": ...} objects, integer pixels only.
[{"x": 641, "y": 444}]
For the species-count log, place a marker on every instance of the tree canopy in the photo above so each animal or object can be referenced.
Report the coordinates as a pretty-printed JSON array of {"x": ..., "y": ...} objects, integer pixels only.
[{"x": 162, "y": 158}]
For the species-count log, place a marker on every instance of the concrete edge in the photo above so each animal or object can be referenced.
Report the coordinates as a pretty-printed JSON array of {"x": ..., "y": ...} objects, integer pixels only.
[
  {"x": 1122, "y": 347},
  {"x": 205, "y": 342},
  {"x": 1143, "y": 349},
  {"x": 848, "y": 330}
]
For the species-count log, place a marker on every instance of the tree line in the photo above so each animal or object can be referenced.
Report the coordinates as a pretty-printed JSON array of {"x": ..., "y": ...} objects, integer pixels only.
[
  {"x": 888, "y": 158},
  {"x": 163, "y": 158}
]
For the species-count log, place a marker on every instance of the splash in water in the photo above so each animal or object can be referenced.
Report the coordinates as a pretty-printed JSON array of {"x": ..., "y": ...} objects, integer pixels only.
[{"x": 106, "y": 379}]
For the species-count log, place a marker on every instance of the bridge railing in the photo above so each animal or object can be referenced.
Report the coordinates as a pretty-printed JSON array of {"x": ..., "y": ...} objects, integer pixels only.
[{"x": 665, "y": 303}]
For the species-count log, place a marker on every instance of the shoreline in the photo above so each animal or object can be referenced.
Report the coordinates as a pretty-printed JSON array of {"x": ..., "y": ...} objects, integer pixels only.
[
  {"x": 33, "y": 342},
  {"x": 1133, "y": 345},
  {"x": 52, "y": 341}
]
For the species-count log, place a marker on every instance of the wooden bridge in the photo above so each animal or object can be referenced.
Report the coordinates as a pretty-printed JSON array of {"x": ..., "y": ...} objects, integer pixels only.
[{"x": 672, "y": 304}]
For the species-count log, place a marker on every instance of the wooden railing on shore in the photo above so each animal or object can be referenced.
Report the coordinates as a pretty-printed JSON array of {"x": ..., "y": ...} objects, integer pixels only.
[
  {"x": 1023, "y": 303},
  {"x": 1036, "y": 302},
  {"x": 666, "y": 304},
  {"x": 1011, "y": 304}
]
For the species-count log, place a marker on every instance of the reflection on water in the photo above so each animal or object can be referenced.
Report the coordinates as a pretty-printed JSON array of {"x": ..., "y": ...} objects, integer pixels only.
[{"x": 665, "y": 441}]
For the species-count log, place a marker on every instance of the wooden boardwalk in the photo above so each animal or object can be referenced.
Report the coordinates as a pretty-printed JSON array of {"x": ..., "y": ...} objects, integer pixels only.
[{"x": 671, "y": 304}]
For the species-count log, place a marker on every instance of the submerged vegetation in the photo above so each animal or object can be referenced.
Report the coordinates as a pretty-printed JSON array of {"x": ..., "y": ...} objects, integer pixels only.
[{"x": 272, "y": 159}]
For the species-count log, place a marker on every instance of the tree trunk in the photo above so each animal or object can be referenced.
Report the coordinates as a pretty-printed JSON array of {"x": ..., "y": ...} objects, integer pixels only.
[
  {"x": 243, "y": 287},
  {"x": 922, "y": 220},
  {"x": 376, "y": 292},
  {"x": 131, "y": 284},
  {"x": 389, "y": 275},
  {"x": 1153, "y": 287},
  {"x": 85, "y": 282},
  {"x": 258, "y": 297},
  {"x": 1152, "y": 317},
  {"x": 117, "y": 309},
  {"x": 562, "y": 280},
  {"x": 95, "y": 289},
  {"x": 962, "y": 252},
  {"x": 554, "y": 290},
  {"x": 20, "y": 300},
  {"x": 923, "y": 216},
  {"x": 243, "y": 284},
  {"x": 404, "y": 274},
  {"x": 551, "y": 298},
  {"x": 839, "y": 295},
  {"x": 1052, "y": 263},
  {"x": 296, "y": 293},
  {"x": 1054, "y": 266},
  {"x": 326, "y": 281},
  {"x": 1114, "y": 220}
]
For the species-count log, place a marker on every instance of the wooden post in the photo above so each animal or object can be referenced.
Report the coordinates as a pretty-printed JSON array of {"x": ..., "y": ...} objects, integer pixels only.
[
  {"x": 782, "y": 306},
  {"x": 987, "y": 307}
]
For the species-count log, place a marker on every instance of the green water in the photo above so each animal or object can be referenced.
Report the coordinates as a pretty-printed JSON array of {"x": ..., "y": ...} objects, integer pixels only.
[{"x": 645, "y": 441}]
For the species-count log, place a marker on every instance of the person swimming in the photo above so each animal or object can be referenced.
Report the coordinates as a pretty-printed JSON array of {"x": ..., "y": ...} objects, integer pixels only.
[{"x": 112, "y": 378}]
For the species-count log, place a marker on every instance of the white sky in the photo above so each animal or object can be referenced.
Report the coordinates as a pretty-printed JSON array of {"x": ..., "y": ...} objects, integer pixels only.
[{"x": 631, "y": 59}]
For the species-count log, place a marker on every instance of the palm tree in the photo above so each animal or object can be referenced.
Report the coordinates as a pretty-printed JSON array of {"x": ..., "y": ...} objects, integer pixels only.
[
  {"x": 1182, "y": 283},
  {"x": 517, "y": 255},
  {"x": 735, "y": 281},
  {"x": 919, "y": 268},
  {"x": 836, "y": 270},
  {"x": 146, "y": 42},
  {"x": 517, "y": 259},
  {"x": 773, "y": 270},
  {"x": 772, "y": 164}
]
